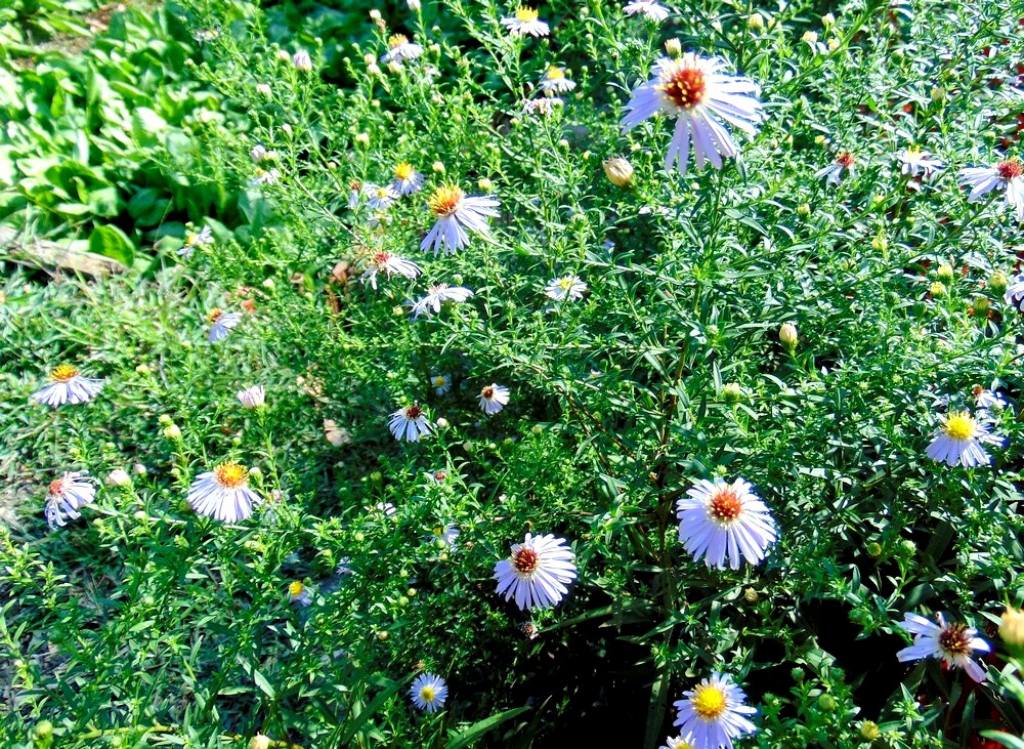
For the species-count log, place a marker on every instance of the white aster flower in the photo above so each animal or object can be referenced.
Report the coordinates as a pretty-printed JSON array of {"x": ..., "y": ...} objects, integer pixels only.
[
  {"x": 381, "y": 197},
  {"x": 555, "y": 82},
  {"x": 428, "y": 692},
  {"x": 525, "y": 22},
  {"x": 843, "y": 166},
  {"x": 566, "y": 287},
  {"x": 390, "y": 265},
  {"x": 437, "y": 295},
  {"x": 719, "y": 521},
  {"x": 67, "y": 385},
  {"x": 386, "y": 509},
  {"x": 700, "y": 97},
  {"x": 916, "y": 162},
  {"x": 713, "y": 713},
  {"x": 265, "y": 177},
  {"x": 409, "y": 424},
  {"x": 456, "y": 212},
  {"x": 493, "y": 398},
  {"x": 677, "y": 742},
  {"x": 299, "y": 594},
  {"x": 204, "y": 36},
  {"x": 648, "y": 8},
  {"x": 221, "y": 323},
  {"x": 537, "y": 572},
  {"x": 68, "y": 494},
  {"x": 223, "y": 493},
  {"x": 544, "y": 106},
  {"x": 441, "y": 383},
  {"x": 959, "y": 441},
  {"x": 952, "y": 642},
  {"x": 407, "y": 180},
  {"x": 401, "y": 49},
  {"x": 203, "y": 238},
  {"x": 1007, "y": 175},
  {"x": 988, "y": 399},
  {"x": 252, "y": 397},
  {"x": 448, "y": 535}
]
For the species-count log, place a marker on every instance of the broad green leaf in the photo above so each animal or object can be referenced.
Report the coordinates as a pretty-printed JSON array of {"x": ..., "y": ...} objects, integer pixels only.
[{"x": 111, "y": 242}]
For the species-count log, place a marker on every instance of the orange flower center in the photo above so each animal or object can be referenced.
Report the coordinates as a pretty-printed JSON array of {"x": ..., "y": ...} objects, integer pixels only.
[
  {"x": 381, "y": 258},
  {"x": 845, "y": 159},
  {"x": 525, "y": 560},
  {"x": 445, "y": 200},
  {"x": 56, "y": 487},
  {"x": 413, "y": 412},
  {"x": 954, "y": 640},
  {"x": 63, "y": 373},
  {"x": 1010, "y": 169},
  {"x": 487, "y": 392},
  {"x": 215, "y": 314},
  {"x": 687, "y": 88},
  {"x": 230, "y": 475},
  {"x": 725, "y": 506}
]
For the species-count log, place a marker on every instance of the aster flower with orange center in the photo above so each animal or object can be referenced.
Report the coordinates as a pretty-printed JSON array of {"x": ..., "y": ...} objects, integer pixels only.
[
  {"x": 555, "y": 82},
  {"x": 525, "y": 22},
  {"x": 714, "y": 713},
  {"x": 456, "y": 214},
  {"x": 407, "y": 180},
  {"x": 720, "y": 521},
  {"x": 648, "y": 8},
  {"x": 951, "y": 642},
  {"x": 409, "y": 424},
  {"x": 221, "y": 324},
  {"x": 67, "y": 385},
  {"x": 401, "y": 49},
  {"x": 390, "y": 265},
  {"x": 66, "y": 496},
  {"x": 703, "y": 100},
  {"x": 223, "y": 493},
  {"x": 493, "y": 398},
  {"x": 438, "y": 294},
  {"x": 1007, "y": 175},
  {"x": 842, "y": 167},
  {"x": 537, "y": 572},
  {"x": 959, "y": 440}
]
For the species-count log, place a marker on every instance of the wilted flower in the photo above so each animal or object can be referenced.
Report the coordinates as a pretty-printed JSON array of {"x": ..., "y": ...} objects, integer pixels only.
[
  {"x": 407, "y": 180},
  {"x": 569, "y": 288},
  {"x": 437, "y": 295},
  {"x": 401, "y": 49},
  {"x": 700, "y": 97},
  {"x": 544, "y": 106},
  {"x": 915, "y": 161},
  {"x": 67, "y": 385},
  {"x": 390, "y": 265},
  {"x": 841, "y": 167},
  {"x": 554, "y": 81},
  {"x": 409, "y": 424},
  {"x": 252, "y": 397},
  {"x": 221, "y": 323},
  {"x": 441, "y": 383},
  {"x": 335, "y": 434},
  {"x": 719, "y": 521},
  {"x": 302, "y": 61},
  {"x": 428, "y": 692},
  {"x": 223, "y": 493},
  {"x": 1007, "y": 175},
  {"x": 456, "y": 212},
  {"x": 959, "y": 441},
  {"x": 68, "y": 494},
  {"x": 648, "y": 8},
  {"x": 714, "y": 713},
  {"x": 493, "y": 398},
  {"x": 525, "y": 22},
  {"x": 988, "y": 399},
  {"x": 953, "y": 643},
  {"x": 537, "y": 572}
]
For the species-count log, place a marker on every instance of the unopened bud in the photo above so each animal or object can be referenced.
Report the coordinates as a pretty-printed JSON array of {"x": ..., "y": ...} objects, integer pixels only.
[
  {"x": 618, "y": 171},
  {"x": 788, "y": 335}
]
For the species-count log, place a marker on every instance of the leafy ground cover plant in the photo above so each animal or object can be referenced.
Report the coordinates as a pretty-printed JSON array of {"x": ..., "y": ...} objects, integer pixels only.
[{"x": 593, "y": 372}]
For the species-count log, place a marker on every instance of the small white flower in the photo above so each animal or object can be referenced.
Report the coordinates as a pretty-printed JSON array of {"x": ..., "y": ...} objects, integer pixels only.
[
  {"x": 414, "y": 5},
  {"x": 537, "y": 572},
  {"x": 407, "y": 180},
  {"x": 456, "y": 212},
  {"x": 221, "y": 323},
  {"x": 223, "y": 493},
  {"x": 555, "y": 82},
  {"x": 437, "y": 295},
  {"x": 914, "y": 161},
  {"x": 67, "y": 385},
  {"x": 390, "y": 265},
  {"x": 381, "y": 197},
  {"x": 1014, "y": 295},
  {"x": 525, "y": 22},
  {"x": 192, "y": 240},
  {"x": 299, "y": 594},
  {"x": 302, "y": 61},
  {"x": 648, "y": 8},
  {"x": 714, "y": 713},
  {"x": 493, "y": 398},
  {"x": 959, "y": 441},
  {"x": 700, "y": 97},
  {"x": 449, "y": 535},
  {"x": 401, "y": 49},
  {"x": 544, "y": 106},
  {"x": 953, "y": 643},
  {"x": 204, "y": 36},
  {"x": 441, "y": 383},
  {"x": 428, "y": 692},
  {"x": 386, "y": 509},
  {"x": 719, "y": 521},
  {"x": 677, "y": 742},
  {"x": 252, "y": 397},
  {"x": 566, "y": 287},
  {"x": 987, "y": 400},
  {"x": 409, "y": 424},
  {"x": 68, "y": 494},
  {"x": 1007, "y": 175},
  {"x": 843, "y": 166},
  {"x": 265, "y": 177},
  {"x": 258, "y": 153}
]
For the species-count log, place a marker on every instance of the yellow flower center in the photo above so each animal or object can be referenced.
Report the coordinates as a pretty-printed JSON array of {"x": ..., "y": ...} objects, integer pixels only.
[
  {"x": 397, "y": 40},
  {"x": 445, "y": 200},
  {"x": 555, "y": 73},
  {"x": 404, "y": 170},
  {"x": 230, "y": 475},
  {"x": 295, "y": 589},
  {"x": 708, "y": 702},
  {"x": 438, "y": 382},
  {"x": 428, "y": 693},
  {"x": 526, "y": 15},
  {"x": 63, "y": 373},
  {"x": 382, "y": 192},
  {"x": 214, "y": 314},
  {"x": 565, "y": 284},
  {"x": 960, "y": 426}
]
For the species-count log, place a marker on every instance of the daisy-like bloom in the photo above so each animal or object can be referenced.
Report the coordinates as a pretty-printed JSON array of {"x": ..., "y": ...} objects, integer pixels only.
[
  {"x": 916, "y": 162},
  {"x": 525, "y": 22},
  {"x": 441, "y": 383},
  {"x": 988, "y": 399},
  {"x": 448, "y": 535},
  {"x": 544, "y": 106},
  {"x": 841, "y": 167},
  {"x": 713, "y": 713},
  {"x": 253, "y": 397},
  {"x": 204, "y": 36},
  {"x": 72, "y": 491},
  {"x": 1014, "y": 294},
  {"x": 959, "y": 441},
  {"x": 719, "y": 521},
  {"x": 381, "y": 197},
  {"x": 649, "y": 8},
  {"x": 409, "y": 424},
  {"x": 401, "y": 49},
  {"x": 437, "y": 295},
  {"x": 223, "y": 493},
  {"x": 537, "y": 572},
  {"x": 390, "y": 265},
  {"x": 456, "y": 212},
  {"x": 701, "y": 97},
  {"x": 67, "y": 385},
  {"x": 203, "y": 238},
  {"x": 677, "y": 742},
  {"x": 555, "y": 82},
  {"x": 493, "y": 398},
  {"x": 221, "y": 323},
  {"x": 265, "y": 177},
  {"x": 1006, "y": 175},
  {"x": 428, "y": 692},
  {"x": 566, "y": 287},
  {"x": 407, "y": 180},
  {"x": 299, "y": 594},
  {"x": 951, "y": 642}
]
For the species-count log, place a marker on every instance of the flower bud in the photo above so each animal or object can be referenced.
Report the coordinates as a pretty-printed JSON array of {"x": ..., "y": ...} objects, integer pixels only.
[
  {"x": 674, "y": 47},
  {"x": 833, "y": 44},
  {"x": 981, "y": 305},
  {"x": 874, "y": 549},
  {"x": 750, "y": 595},
  {"x": 938, "y": 93},
  {"x": 827, "y": 702},
  {"x": 811, "y": 37},
  {"x": 732, "y": 392},
  {"x": 828, "y": 20},
  {"x": 755, "y": 22},
  {"x": 442, "y": 423},
  {"x": 43, "y": 729},
  {"x": 803, "y": 210},
  {"x": 362, "y": 139},
  {"x": 998, "y": 282},
  {"x": 259, "y": 741},
  {"x": 139, "y": 469},
  {"x": 263, "y": 89},
  {"x": 118, "y": 477},
  {"x": 945, "y": 272},
  {"x": 1011, "y": 629},
  {"x": 618, "y": 171},
  {"x": 302, "y": 61},
  {"x": 485, "y": 184},
  {"x": 869, "y": 730},
  {"x": 172, "y": 432},
  {"x": 437, "y": 167},
  {"x": 937, "y": 289},
  {"x": 788, "y": 335}
]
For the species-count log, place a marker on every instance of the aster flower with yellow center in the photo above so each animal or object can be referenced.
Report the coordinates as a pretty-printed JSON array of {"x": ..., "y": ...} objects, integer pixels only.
[
  {"x": 914, "y": 162},
  {"x": 703, "y": 99},
  {"x": 401, "y": 49},
  {"x": 566, "y": 288},
  {"x": 437, "y": 295},
  {"x": 555, "y": 81},
  {"x": 677, "y": 742},
  {"x": 959, "y": 440},
  {"x": 457, "y": 214},
  {"x": 67, "y": 386},
  {"x": 407, "y": 180},
  {"x": 714, "y": 713},
  {"x": 382, "y": 197},
  {"x": 223, "y": 493},
  {"x": 719, "y": 521},
  {"x": 428, "y": 692},
  {"x": 66, "y": 496},
  {"x": 951, "y": 642},
  {"x": 537, "y": 573},
  {"x": 525, "y": 22},
  {"x": 441, "y": 383},
  {"x": 204, "y": 238},
  {"x": 221, "y": 324},
  {"x": 299, "y": 594},
  {"x": 647, "y": 8},
  {"x": 1007, "y": 175}
]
